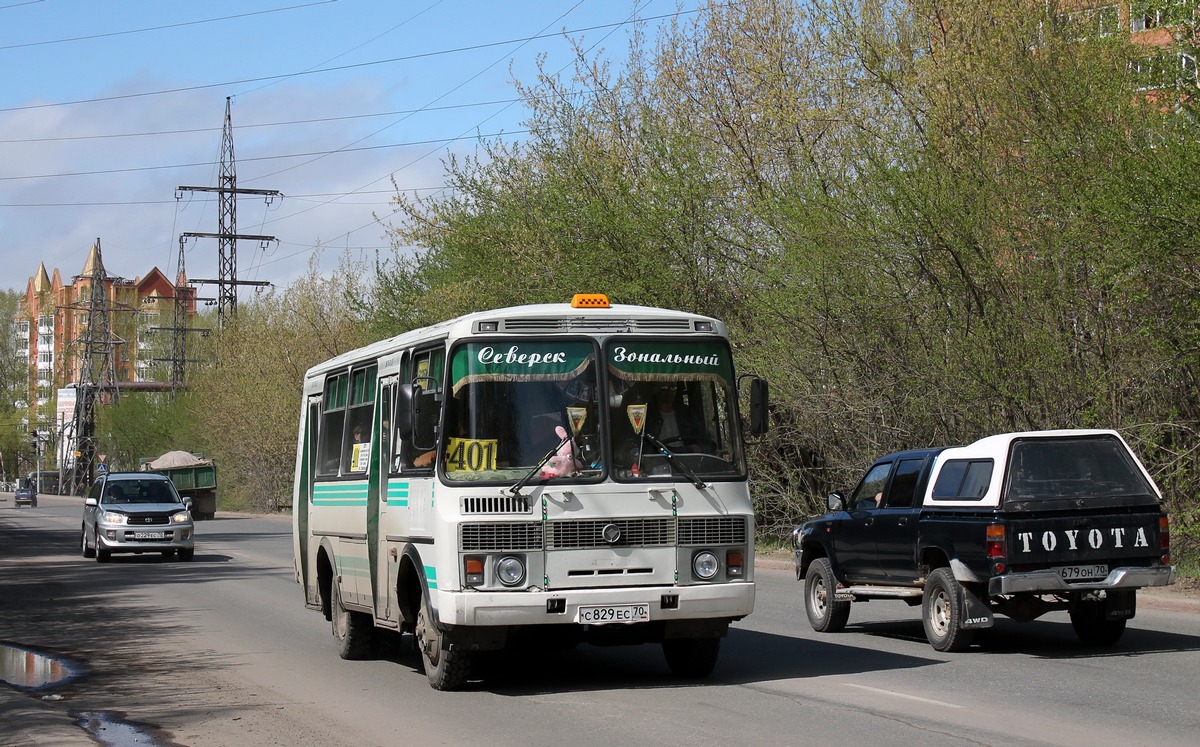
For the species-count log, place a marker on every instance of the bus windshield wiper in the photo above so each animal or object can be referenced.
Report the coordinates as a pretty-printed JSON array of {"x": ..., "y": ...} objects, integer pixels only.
[
  {"x": 516, "y": 489},
  {"x": 675, "y": 461}
]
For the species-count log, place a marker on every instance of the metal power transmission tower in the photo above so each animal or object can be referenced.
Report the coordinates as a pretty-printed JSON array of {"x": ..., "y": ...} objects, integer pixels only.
[
  {"x": 97, "y": 374},
  {"x": 227, "y": 235}
]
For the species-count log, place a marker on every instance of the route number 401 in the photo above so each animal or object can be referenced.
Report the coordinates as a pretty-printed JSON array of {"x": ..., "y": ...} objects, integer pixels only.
[{"x": 470, "y": 454}]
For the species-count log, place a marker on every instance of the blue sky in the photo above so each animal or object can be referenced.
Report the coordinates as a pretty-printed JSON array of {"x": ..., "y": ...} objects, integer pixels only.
[{"x": 108, "y": 107}]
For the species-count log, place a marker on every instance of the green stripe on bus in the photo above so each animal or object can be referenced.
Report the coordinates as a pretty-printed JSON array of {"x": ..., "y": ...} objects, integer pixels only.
[
  {"x": 340, "y": 495},
  {"x": 397, "y": 493},
  {"x": 431, "y": 576}
]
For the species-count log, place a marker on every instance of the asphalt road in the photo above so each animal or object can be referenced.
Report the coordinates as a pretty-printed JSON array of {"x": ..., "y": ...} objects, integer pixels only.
[{"x": 221, "y": 651}]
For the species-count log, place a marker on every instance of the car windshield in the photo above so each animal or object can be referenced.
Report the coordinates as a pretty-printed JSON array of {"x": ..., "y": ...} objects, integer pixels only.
[{"x": 125, "y": 492}]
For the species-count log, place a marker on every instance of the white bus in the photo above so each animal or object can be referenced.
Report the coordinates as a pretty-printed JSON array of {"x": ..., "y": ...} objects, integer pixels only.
[{"x": 528, "y": 474}]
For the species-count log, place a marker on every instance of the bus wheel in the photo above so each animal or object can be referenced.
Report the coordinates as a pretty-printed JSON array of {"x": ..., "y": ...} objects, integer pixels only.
[
  {"x": 691, "y": 657},
  {"x": 446, "y": 670},
  {"x": 353, "y": 631}
]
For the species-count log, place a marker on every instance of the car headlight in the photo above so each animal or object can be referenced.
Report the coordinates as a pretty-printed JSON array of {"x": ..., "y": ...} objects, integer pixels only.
[
  {"x": 705, "y": 565},
  {"x": 510, "y": 570},
  {"x": 112, "y": 517},
  {"x": 181, "y": 517}
]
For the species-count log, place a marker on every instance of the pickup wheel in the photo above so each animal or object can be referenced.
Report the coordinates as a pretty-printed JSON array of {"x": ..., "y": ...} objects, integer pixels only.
[
  {"x": 825, "y": 614},
  {"x": 941, "y": 613},
  {"x": 1090, "y": 624}
]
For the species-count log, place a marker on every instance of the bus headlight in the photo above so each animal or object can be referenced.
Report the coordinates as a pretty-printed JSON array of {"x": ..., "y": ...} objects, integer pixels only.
[
  {"x": 705, "y": 565},
  {"x": 510, "y": 570}
]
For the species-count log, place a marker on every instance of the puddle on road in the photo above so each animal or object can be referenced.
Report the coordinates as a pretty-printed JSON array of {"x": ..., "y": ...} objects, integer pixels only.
[
  {"x": 35, "y": 672},
  {"x": 29, "y": 670},
  {"x": 110, "y": 730}
]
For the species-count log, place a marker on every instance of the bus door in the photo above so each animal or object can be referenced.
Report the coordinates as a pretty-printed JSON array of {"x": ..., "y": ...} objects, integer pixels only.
[
  {"x": 303, "y": 498},
  {"x": 392, "y": 505}
]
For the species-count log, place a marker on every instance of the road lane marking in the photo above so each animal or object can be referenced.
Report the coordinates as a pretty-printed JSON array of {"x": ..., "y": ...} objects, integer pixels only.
[{"x": 895, "y": 694}]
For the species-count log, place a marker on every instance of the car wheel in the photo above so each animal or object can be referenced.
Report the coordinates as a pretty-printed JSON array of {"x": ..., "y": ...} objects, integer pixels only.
[
  {"x": 102, "y": 555},
  {"x": 693, "y": 658},
  {"x": 187, "y": 553},
  {"x": 1092, "y": 627},
  {"x": 84, "y": 549},
  {"x": 825, "y": 614},
  {"x": 445, "y": 669},
  {"x": 353, "y": 631},
  {"x": 941, "y": 613}
]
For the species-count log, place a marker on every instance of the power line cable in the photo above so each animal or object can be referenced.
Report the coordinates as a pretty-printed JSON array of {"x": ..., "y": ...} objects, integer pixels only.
[{"x": 160, "y": 28}]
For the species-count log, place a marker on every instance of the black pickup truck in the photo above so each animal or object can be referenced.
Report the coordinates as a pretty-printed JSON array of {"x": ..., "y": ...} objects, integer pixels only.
[{"x": 1018, "y": 524}]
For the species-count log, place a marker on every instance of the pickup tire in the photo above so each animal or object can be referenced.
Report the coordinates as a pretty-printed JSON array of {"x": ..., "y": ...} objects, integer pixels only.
[
  {"x": 941, "y": 613},
  {"x": 1091, "y": 626},
  {"x": 825, "y": 614}
]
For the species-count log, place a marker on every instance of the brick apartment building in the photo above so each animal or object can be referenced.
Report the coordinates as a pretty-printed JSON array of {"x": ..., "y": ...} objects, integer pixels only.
[{"x": 52, "y": 323}]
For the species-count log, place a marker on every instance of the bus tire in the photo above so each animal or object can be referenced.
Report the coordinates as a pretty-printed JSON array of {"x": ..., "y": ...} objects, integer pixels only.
[
  {"x": 353, "y": 631},
  {"x": 692, "y": 658},
  {"x": 445, "y": 669}
]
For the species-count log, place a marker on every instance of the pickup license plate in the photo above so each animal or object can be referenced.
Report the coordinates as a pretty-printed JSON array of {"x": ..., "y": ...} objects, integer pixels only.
[
  {"x": 613, "y": 613},
  {"x": 1083, "y": 572},
  {"x": 149, "y": 535}
]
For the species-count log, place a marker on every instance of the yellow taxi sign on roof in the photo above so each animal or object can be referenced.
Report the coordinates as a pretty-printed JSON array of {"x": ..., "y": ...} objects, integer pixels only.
[{"x": 589, "y": 301}]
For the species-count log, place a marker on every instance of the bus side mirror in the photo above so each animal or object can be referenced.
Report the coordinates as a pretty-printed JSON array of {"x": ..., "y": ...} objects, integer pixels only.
[
  {"x": 759, "y": 407},
  {"x": 404, "y": 412}
]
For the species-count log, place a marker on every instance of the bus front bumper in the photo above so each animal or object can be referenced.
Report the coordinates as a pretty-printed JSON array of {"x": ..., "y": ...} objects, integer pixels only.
[{"x": 728, "y": 601}]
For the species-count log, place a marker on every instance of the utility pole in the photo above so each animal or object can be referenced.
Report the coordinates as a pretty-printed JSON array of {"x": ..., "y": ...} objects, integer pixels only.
[
  {"x": 227, "y": 234},
  {"x": 97, "y": 375},
  {"x": 184, "y": 294}
]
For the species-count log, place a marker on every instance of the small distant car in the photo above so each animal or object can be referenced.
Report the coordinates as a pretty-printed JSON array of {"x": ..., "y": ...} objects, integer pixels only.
[
  {"x": 25, "y": 496},
  {"x": 136, "y": 512}
]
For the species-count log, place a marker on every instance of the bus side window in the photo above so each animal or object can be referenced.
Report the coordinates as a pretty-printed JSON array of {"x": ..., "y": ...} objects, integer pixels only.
[
  {"x": 333, "y": 420},
  {"x": 357, "y": 444}
]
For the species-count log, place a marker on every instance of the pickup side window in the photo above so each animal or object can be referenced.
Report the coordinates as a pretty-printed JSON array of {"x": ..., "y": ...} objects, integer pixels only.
[
  {"x": 904, "y": 483},
  {"x": 870, "y": 490},
  {"x": 963, "y": 480}
]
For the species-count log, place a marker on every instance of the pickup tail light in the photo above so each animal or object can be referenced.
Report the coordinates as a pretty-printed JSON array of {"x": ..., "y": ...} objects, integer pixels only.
[
  {"x": 1164, "y": 538},
  {"x": 995, "y": 548}
]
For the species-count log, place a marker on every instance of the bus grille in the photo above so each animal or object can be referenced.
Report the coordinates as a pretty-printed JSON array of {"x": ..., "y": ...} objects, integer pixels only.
[
  {"x": 500, "y": 537},
  {"x": 589, "y": 533},
  {"x": 495, "y": 504},
  {"x": 714, "y": 530}
]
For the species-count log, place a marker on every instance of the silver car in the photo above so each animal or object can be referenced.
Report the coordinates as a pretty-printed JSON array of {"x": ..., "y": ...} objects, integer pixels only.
[{"x": 136, "y": 512}]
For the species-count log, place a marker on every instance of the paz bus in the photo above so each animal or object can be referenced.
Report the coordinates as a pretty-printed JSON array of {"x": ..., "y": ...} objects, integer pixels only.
[{"x": 527, "y": 475}]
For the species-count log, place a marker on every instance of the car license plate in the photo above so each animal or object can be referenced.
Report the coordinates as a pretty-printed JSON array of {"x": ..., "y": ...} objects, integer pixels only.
[
  {"x": 1083, "y": 572},
  {"x": 149, "y": 535},
  {"x": 613, "y": 613}
]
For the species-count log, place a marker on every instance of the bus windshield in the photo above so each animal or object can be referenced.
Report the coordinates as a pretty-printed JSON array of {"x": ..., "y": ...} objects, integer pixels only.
[
  {"x": 511, "y": 405},
  {"x": 675, "y": 396}
]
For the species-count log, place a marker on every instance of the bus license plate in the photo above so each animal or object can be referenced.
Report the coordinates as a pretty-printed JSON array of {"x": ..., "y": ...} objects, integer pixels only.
[
  {"x": 613, "y": 613},
  {"x": 149, "y": 535},
  {"x": 1083, "y": 572}
]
